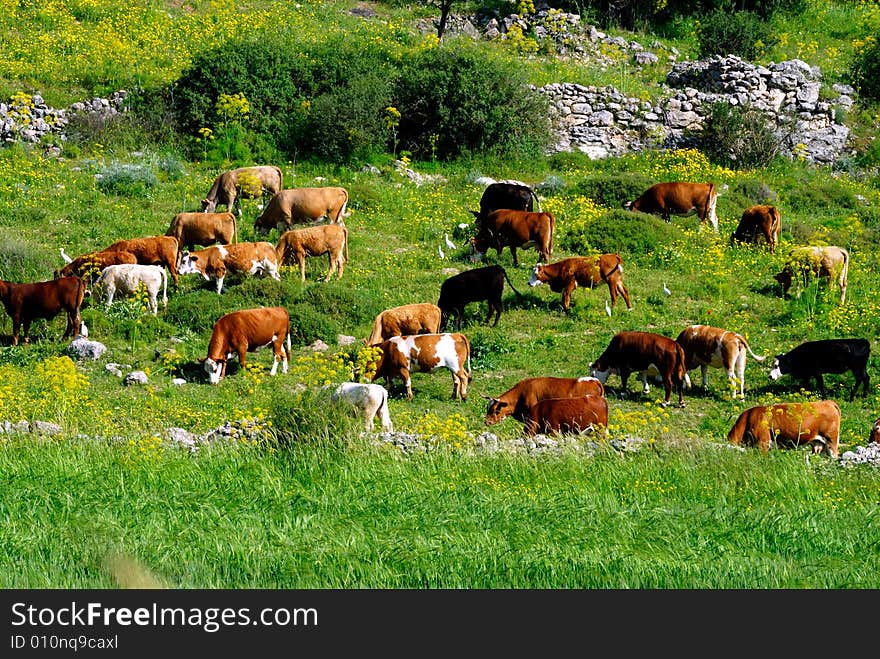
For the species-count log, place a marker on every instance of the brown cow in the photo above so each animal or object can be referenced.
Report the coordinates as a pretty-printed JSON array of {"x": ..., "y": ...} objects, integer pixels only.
[
  {"x": 242, "y": 182},
  {"x": 816, "y": 423},
  {"x": 401, "y": 355},
  {"x": 678, "y": 198},
  {"x": 241, "y": 332},
  {"x": 330, "y": 239},
  {"x": 758, "y": 221},
  {"x": 506, "y": 194},
  {"x": 302, "y": 206},
  {"x": 154, "y": 250},
  {"x": 875, "y": 433},
  {"x": 257, "y": 258},
  {"x": 706, "y": 346},
  {"x": 407, "y": 319},
  {"x": 43, "y": 299},
  {"x": 566, "y": 275},
  {"x": 89, "y": 266},
  {"x": 515, "y": 228},
  {"x": 203, "y": 229},
  {"x": 567, "y": 416},
  {"x": 643, "y": 352},
  {"x": 519, "y": 399},
  {"x": 829, "y": 262}
]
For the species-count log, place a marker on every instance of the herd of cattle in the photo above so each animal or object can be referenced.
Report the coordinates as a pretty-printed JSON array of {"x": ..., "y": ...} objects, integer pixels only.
[{"x": 411, "y": 337}]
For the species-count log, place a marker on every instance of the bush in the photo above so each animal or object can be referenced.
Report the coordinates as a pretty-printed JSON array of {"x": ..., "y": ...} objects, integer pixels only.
[
  {"x": 814, "y": 197},
  {"x": 757, "y": 192},
  {"x": 624, "y": 232},
  {"x": 741, "y": 33},
  {"x": 864, "y": 70},
  {"x": 738, "y": 137},
  {"x": 126, "y": 180},
  {"x": 613, "y": 190}
]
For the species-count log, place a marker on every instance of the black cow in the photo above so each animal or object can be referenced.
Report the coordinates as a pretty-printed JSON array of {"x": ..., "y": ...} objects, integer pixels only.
[
  {"x": 473, "y": 286},
  {"x": 506, "y": 195},
  {"x": 813, "y": 358}
]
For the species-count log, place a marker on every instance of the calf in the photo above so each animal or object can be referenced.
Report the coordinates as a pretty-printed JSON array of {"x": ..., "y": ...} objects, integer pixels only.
[
  {"x": 191, "y": 229},
  {"x": 330, "y": 239},
  {"x": 215, "y": 262},
  {"x": 504, "y": 194},
  {"x": 678, "y": 198},
  {"x": 566, "y": 275},
  {"x": 813, "y": 358},
  {"x": 416, "y": 318},
  {"x": 567, "y": 415},
  {"x": 402, "y": 355},
  {"x": 706, "y": 346},
  {"x": 128, "y": 277},
  {"x": 153, "y": 250},
  {"x": 89, "y": 266},
  {"x": 368, "y": 400},
  {"x": 829, "y": 262},
  {"x": 816, "y": 423},
  {"x": 241, "y": 332},
  {"x": 758, "y": 221},
  {"x": 475, "y": 285},
  {"x": 641, "y": 352},
  {"x": 874, "y": 437},
  {"x": 514, "y": 228},
  {"x": 303, "y": 205},
  {"x": 521, "y": 397},
  {"x": 43, "y": 299}
]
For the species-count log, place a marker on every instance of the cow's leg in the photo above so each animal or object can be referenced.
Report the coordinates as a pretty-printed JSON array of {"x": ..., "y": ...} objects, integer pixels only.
[
  {"x": 463, "y": 387},
  {"x": 566, "y": 296},
  {"x": 494, "y": 306},
  {"x": 456, "y": 385},
  {"x": 624, "y": 376},
  {"x": 646, "y": 389},
  {"x": 302, "y": 267},
  {"x": 220, "y": 284},
  {"x": 820, "y": 384},
  {"x": 16, "y": 326},
  {"x": 111, "y": 292},
  {"x": 704, "y": 372},
  {"x": 667, "y": 388},
  {"x": 513, "y": 254},
  {"x": 72, "y": 328},
  {"x": 26, "y": 327},
  {"x": 407, "y": 380},
  {"x": 340, "y": 264}
]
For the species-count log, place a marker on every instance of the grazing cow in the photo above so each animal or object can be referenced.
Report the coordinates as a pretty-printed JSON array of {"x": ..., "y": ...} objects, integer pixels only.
[
  {"x": 368, "y": 400},
  {"x": 247, "y": 182},
  {"x": 89, "y": 266},
  {"x": 330, "y": 239},
  {"x": 706, "y": 346},
  {"x": 126, "y": 278},
  {"x": 875, "y": 433},
  {"x": 588, "y": 271},
  {"x": 758, "y": 221},
  {"x": 203, "y": 229},
  {"x": 813, "y": 358},
  {"x": 678, "y": 198},
  {"x": 567, "y": 415},
  {"x": 43, "y": 299},
  {"x": 475, "y": 285},
  {"x": 816, "y": 423},
  {"x": 303, "y": 206},
  {"x": 506, "y": 195},
  {"x": 407, "y": 319},
  {"x": 830, "y": 262},
  {"x": 154, "y": 250},
  {"x": 514, "y": 228},
  {"x": 643, "y": 352},
  {"x": 521, "y": 397},
  {"x": 401, "y": 355},
  {"x": 257, "y": 258},
  {"x": 248, "y": 330}
]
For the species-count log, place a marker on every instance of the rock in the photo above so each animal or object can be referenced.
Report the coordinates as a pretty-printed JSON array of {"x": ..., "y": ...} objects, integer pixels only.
[
  {"x": 318, "y": 346},
  {"x": 46, "y": 428},
  {"x": 83, "y": 348},
  {"x": 136, "y": 377}
]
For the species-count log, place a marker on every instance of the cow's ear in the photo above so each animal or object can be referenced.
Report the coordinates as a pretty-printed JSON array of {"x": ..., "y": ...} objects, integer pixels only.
[{"x": 202, "y": 360}]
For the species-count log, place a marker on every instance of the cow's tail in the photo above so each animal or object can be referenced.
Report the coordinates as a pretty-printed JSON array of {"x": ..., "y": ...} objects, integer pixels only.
[
  {"x": 710, "y": 210},
  {"x": 467, "y": 345},
  {"x": 777, "y": 220},
  {"x": 376, "y": 334},
  {"x": 164, "y": 287},
  {"x": 843, "y": 275},
  {"x": 234, "y": 228},
  {"x": 552, "y": 232},
  {"x": 746, "y": 344},
  {"x": 345, "y": 241},
  {"x": 341, "y": 215},
  {"x": 535, "y": 197},
  {"x": 280, "y": 179},
  {"x": 507, "y": 277},
  {"x": 738, "y": 429}
]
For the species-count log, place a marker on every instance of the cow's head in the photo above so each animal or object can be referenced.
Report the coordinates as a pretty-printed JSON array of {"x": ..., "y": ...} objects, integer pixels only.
[
  {"x": 875, "y": 432},
  {"x": 189, "y": 264},
  {"x": 208, "y": 206},
  {"x": 538, "y": 276},
  {"x": 779, "y": 367},
  {"x": 784, "y": 278},
  {"x": 628, "y": 205},
  {"x": 496, "y": 411},
  {"x": 214, "y": 368},
  {"x": 601, "y": 371}
]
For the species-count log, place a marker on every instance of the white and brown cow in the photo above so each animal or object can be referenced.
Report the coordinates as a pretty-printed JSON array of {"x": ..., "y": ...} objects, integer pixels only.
[
  {"x": 706, "y": 346},
  {"x": 216, "y": 262},
  {"x": 874, "y": 436},
  {"x": 331, "y": 239},
  {"x": 402, "y": 355},
  {"x": 829, "y": 262},
  {"x": 43, "y": 299},
  {"x": 678, "y": 198},
  {"x": 587, "y": 271},
  {"x": 127, "y": 278},
  {"x": 644, "y": 353},
  {"x": 521, "y": 397},
  {"x": 203, "y": 229},
  {"x": 567, "y": 416},
  {"x": 515, "y": 229},
  {"x": 303, "y": 206},
  {"x": 152, "y": 250},
  {"x": 247, "y": 182},
  {"x": 407, "y": 319},
  {"x": 758, "y": 221},
  {"x": 816, "y": 423},
  {"x": 368, "y": 400},
  {"x": 241, "y": 332}
]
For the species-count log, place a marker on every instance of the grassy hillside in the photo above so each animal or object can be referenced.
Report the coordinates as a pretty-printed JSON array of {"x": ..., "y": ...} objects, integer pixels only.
[{"x": 313, "y": 503}]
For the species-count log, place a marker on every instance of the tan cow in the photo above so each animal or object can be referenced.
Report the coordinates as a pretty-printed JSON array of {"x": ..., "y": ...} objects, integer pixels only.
[
  {"x": 89, "y": 266},
  {"x": 519, "y": 399},
  {"x": 588, "y": 271},
  {"x": 507, "y": 227},
  {"x": 706, "y": 346},
  {"x": 241, "y": 332},
  {"x": 303, "y": 206},
  {"x": 215, "y": 262},
  {"x": 153, "y": 250},
  {"x": 401, "y": 355},
  {"x": 247, "y": 182},
  {"x": 678, "y": 198},
  {"x": 203, "y": 229},
  {"x": 758, "y": 221},
  {"x": 331, "y": 239},
  {"x": 570, "y": 416},
  {"x": 829, "y": 262},
  {"x": 405, "y": 320},
  {"x": 816, "y": 423}
]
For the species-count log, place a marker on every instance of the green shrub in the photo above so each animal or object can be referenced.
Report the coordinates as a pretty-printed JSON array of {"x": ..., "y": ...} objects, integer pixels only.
[
  {"x": 21, "y": 261},
  {"x": 126, "y": 180},
  {"x": 624, "y": 232},
  {"x": 821, "y": 196},
  {"x": 741, "y": 33},
  {"x": 756, "y": 191},
  {"x": 738, "y": 137},
  {"x": 864, "y": 70},
  {"x": 613, "y": 190}
]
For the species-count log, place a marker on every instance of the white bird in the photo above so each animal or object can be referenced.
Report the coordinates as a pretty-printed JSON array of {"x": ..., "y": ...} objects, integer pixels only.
[
  {"x": 64, "y": 256},
  {"x": 83, "y": 330},
  {"x": 449, "y": 243},
  {"x": 440, "y": 249},
  {"x": 607, "y": 308},
  {"x": 666, "y": 289}
]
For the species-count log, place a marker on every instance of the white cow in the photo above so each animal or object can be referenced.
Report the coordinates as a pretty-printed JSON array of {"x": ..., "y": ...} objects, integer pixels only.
[
  {"x": 125, "y": 278},
  {"x": 368, "y": 400}
]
